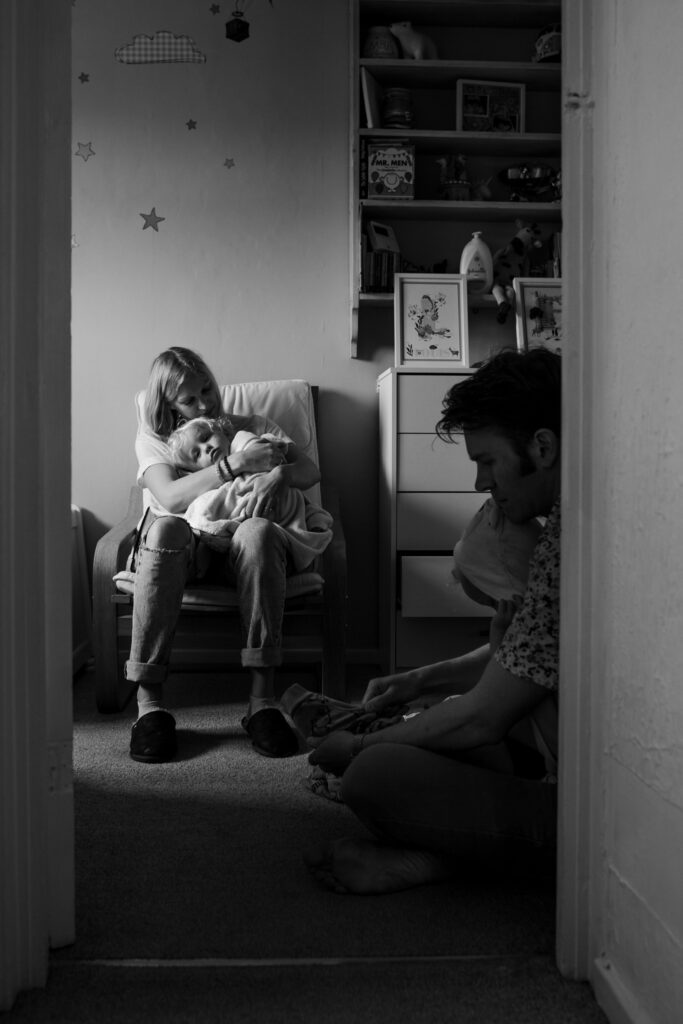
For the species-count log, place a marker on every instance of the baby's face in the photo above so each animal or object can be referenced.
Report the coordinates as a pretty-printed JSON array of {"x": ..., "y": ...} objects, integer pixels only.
[{"x": 203, "y": 447}]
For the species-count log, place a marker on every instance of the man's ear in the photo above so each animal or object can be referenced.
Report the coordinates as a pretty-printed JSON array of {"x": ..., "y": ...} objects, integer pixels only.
[{"x": 545, "y": 447}]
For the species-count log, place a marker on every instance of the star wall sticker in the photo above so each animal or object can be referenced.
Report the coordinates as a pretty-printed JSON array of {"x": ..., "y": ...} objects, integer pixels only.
[
  {"x": 215, "y": 8},
  {"x": 229, "y": 163},
  {"x": 83, "y": 78},
  {"x": 191, "y": 125},
  {"x": 151, "y": 219},
  {"x": 85, "y": 150}
]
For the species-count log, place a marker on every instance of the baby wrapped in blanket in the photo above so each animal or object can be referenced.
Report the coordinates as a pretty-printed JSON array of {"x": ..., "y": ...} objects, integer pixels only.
[{"x": 216, "y": 514}]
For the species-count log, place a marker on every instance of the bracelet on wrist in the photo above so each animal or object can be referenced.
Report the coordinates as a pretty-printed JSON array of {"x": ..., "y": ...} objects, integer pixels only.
[
  {"x": 226, "y": 466},
  {"x": 225, "y": 474}
]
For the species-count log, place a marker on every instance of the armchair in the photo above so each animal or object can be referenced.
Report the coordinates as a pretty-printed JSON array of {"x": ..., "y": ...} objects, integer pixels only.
[{"x": 208, "y": 635}]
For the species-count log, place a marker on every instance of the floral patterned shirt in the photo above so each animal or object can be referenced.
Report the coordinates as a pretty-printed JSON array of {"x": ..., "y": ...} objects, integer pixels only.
[{"x": 530, "y": 647}]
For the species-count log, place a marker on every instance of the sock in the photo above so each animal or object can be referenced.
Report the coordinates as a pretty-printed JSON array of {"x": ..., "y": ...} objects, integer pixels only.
[{"x": 150, "y": 697}]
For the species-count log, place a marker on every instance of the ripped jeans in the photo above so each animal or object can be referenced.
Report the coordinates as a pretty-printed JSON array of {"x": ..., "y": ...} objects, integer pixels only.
[{"x": 256, "y": 565}]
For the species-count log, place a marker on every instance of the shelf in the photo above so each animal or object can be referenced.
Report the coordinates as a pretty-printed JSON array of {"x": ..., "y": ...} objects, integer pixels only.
[
  {"x": 445, "y": 210},
  {"x": 489, "y": 13},
  {"x": 386, "y": 299},
  {"x": 444, "y": 74},
  {"x": 518, "y": 144}
]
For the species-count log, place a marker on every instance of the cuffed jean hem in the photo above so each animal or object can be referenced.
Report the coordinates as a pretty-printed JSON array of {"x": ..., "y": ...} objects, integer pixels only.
[
  {"x": 144, "y": 672},
  {"x": 261, "y": 657}
]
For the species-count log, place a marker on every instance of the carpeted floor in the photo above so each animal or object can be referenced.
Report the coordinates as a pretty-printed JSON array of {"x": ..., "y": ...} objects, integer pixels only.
[{"x": 198, "y": 865}]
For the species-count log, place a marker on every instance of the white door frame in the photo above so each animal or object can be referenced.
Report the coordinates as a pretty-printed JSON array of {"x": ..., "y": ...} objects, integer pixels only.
[
  {"x": 579, "y": 718},
  {"x": 36, "y": 797}
]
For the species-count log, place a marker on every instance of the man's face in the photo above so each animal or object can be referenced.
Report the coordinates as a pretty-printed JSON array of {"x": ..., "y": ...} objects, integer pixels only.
[{"x": 521, "y": 488}]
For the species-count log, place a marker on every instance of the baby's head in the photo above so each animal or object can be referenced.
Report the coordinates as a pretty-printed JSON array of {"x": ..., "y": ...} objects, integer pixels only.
[
  {"x": 200, "y": 442},
  {"x": 491, "y": 560}
]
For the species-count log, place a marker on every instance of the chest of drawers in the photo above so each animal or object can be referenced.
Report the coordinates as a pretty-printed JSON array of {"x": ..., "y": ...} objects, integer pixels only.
[{"x": 426, "y": 499}]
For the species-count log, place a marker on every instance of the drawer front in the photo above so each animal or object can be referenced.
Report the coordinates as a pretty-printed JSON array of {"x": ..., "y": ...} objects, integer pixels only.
[
  {"x": 426, "y": 463},
  {"x": 420, "y": 399},
  {"x": 427, "y": 522},
  {"x": 428, "y": 590},
  {"x": 425, "y": 641}
]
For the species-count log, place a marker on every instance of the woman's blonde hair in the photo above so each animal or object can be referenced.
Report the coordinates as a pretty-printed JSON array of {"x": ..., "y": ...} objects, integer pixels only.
[{"x": 169, "y": 370}]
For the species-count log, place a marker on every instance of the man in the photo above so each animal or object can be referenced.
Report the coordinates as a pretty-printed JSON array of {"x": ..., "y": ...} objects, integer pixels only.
[{"x": 460, "y": 782}]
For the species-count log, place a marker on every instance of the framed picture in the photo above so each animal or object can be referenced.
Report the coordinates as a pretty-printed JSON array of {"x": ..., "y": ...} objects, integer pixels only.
[
  {"x": 430, "y": 320},
  {"x": 489, "y": 106},
  {"x": 538, "y": 305}
]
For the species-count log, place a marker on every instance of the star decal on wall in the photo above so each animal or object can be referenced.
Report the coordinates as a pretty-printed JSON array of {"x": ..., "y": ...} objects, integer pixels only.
[
  {"x": 191, "y": 125},
  {"x": 85, "y": 150},
  {"x": 83, "y": 78},
  {"x": 215, "y": 8},
  {"x": 151, "y": 219},
  {"x": 229, "y": 162}
]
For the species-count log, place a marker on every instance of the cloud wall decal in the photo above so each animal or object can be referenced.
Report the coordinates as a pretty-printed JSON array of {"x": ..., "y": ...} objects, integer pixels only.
[{"x": 161, "y": 48}]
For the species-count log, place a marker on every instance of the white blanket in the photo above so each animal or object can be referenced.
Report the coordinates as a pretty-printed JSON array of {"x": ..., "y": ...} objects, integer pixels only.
[{"x": 216, "y": 514}]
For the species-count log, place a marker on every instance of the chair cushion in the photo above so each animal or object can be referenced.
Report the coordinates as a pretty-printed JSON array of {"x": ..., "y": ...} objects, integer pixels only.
[{"x": 217, "y": 596}]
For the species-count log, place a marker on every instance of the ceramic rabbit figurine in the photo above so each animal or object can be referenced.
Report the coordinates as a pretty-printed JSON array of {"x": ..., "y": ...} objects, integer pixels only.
[{"x": 415, "y": 45}]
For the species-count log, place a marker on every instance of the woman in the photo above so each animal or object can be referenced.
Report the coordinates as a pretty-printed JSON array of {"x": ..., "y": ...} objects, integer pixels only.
[{"x": 167, "y": 554}]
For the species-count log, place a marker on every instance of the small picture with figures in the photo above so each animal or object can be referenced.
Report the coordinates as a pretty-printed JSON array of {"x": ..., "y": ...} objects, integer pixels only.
[
  {"x": 430, "y": 318},
  {"x": 538, "y": 307}
]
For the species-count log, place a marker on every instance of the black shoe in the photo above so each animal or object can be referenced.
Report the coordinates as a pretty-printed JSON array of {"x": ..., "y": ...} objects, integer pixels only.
[
  {"x": 153, "y": 738},
  {"x": 269, "y": 733}
]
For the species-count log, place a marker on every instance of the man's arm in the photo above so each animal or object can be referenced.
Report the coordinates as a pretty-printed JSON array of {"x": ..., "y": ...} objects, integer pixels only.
[{"x": 482, "y": 716}]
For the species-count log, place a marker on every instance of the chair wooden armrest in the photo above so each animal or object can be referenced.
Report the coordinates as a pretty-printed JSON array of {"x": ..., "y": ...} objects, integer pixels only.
[{"x": 111, "y": 554}]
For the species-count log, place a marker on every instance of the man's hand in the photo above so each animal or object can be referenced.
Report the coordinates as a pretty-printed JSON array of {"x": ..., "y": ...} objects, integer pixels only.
[
  {"x": 335, "y": 753},
  {"x": 386, "y": 691}
]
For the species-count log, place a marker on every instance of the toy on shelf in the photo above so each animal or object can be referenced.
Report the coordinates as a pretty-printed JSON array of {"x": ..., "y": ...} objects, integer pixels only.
[
  {"x": 538, "y": 183},
  {"x": 454, "y": 182},
  {"x": 415, "y": 45},
  {"x": 513, "y": 261}
]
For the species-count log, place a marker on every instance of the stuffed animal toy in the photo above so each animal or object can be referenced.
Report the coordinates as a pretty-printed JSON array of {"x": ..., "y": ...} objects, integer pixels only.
[
  {"x": 414, "y": 44},
  {"x": 512, "y": 261}
]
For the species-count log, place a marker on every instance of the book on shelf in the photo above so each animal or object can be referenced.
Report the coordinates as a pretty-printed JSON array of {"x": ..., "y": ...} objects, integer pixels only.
[
  {"x": 390, "y": 169},
  {"x": 378, "y": 267},
  {"x": 372, "y": 98}
]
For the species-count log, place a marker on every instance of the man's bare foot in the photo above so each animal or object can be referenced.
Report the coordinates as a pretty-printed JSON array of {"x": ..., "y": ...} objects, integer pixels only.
[{"x": 365, "y": 867}]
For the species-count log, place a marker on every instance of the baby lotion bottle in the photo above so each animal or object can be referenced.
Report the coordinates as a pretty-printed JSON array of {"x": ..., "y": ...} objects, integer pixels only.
[{"x": 476, "y": 263}]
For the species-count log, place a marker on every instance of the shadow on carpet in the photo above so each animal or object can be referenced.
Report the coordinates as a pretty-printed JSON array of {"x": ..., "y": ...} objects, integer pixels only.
[{"x": 202, "y": 857}]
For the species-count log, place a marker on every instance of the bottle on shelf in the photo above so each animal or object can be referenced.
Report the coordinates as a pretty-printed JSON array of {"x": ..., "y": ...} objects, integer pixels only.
[{"x": 476, "y": 263}]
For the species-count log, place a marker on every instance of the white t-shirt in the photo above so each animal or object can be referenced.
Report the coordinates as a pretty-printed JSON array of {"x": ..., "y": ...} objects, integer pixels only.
[{"x": 152, "y": 450}]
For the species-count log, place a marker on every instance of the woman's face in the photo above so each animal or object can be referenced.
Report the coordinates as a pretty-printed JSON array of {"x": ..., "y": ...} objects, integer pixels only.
[{"x": 196, "y": 396}]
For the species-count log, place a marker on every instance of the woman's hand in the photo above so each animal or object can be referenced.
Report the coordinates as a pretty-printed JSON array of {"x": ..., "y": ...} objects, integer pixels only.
[
  {"x": 259, "y": 457},
  {"x": 336, "y": 752},
  {"x": 266, "y": 494},
  {"x": 387, "y": 690}
]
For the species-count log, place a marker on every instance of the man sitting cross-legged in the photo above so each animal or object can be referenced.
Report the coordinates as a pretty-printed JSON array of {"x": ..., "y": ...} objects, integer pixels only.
[{"x": 420, "y": 786}]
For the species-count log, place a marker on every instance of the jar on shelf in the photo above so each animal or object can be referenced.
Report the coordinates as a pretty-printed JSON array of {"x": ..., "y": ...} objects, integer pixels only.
[
  {"x": 397, "y": 108},
  {"x": 379, "y": 42}
]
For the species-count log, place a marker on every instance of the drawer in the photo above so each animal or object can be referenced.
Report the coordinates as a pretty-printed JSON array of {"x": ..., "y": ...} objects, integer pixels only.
[
  {"x": 426, "y": 641},
  {"x": 426, "y": 463},
  {"x": 426, "y": 521},
  {"x": 420, "y": 399},
  {"x": 428, "y": 590}
]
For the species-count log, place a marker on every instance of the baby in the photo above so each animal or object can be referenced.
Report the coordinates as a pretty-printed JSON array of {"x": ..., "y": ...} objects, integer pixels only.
[{"x": 216, "y": 514}]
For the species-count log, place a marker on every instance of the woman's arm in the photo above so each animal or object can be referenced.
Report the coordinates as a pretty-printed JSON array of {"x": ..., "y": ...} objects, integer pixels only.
[{"x": 175, "y": 492}]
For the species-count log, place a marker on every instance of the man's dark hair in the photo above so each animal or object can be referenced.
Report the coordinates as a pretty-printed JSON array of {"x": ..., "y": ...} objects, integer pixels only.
[{"x": 515, "y": 393}]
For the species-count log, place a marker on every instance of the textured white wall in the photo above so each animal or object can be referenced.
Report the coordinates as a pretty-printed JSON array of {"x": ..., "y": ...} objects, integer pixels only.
[
  {"x": 638, "y": 480},
  {"x": 250, "y": 265}
]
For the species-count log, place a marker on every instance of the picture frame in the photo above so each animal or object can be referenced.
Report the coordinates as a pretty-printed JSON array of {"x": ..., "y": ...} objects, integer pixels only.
[
  {"x": 490, "y": 106},
  {"x": 538, "y": 311},
  {"x": 430, "y": 321}
]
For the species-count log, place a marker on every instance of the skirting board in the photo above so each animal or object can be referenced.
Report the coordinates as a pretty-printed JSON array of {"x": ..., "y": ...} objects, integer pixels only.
[{"x": 615, "y": 1000}]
